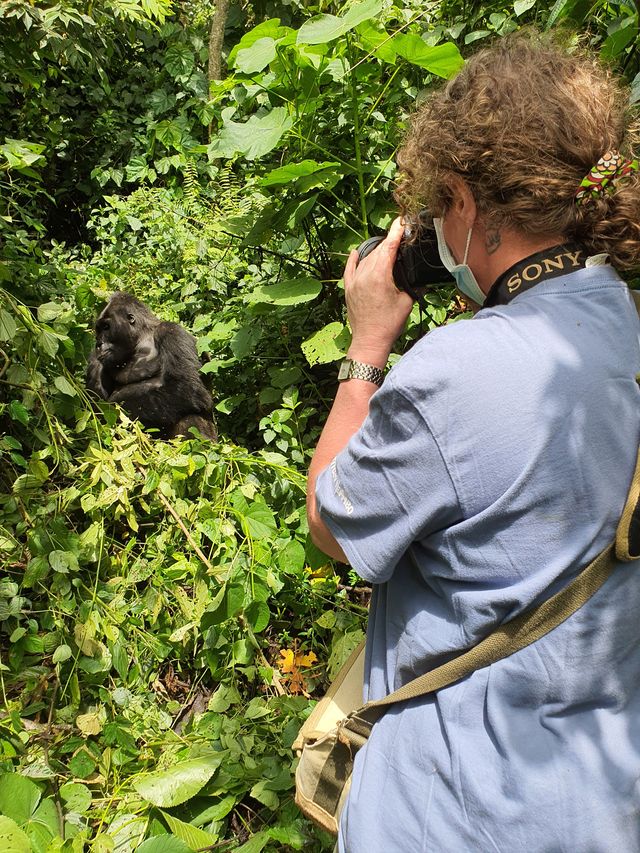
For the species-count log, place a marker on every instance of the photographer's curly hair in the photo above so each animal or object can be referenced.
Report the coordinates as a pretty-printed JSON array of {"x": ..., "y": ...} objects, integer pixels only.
[{"x": 523, "y": 123}]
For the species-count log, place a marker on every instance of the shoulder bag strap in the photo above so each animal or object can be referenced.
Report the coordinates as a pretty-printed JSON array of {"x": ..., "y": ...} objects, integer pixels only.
[{"x": 507, "y": 639}]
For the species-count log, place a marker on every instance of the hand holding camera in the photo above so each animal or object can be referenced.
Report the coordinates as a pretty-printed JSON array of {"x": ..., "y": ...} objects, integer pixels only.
[
  {"x": 417, "y": 267},
  {"x": 377, "y": 310}
]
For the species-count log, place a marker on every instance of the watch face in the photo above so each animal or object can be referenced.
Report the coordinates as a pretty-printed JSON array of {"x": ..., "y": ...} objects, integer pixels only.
[{"x": 345, "y": 367}]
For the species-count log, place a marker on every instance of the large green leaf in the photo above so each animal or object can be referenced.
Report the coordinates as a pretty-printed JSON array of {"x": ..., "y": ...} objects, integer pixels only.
[
  {"x": 12, "y": 838},
  {"x": 293, "y": 292},
  {"x": 522, "y": 6},
  {"x": 443, "y": 59},
  {"x": 179, "y": 60},
  {"x": 253, "y": 138},
  {"x": 167, "y": 788},
  {"x": 43, "y": 826},
  {"x": 19, "y": 797},
  {"x": 324, "y": 28},
  {"x": 194, "y": 837},
  {"x": 127, "y": 831},
  {"x": 164, "y": 844},
  {"x": 618, "y": 41},
  {"x": 256, "y": 57},
  {"x": 327, "y": 344},
  {"x": 8, "y": 326},
  {"x": 63, "y": 385},
  {"x": 260, "y": 521},
  {"x": 267, "y": 29},
  {"x": 375, "y": 38},
  {"x": 293, "y": 171},
  {"x": 256, "y": 843}
]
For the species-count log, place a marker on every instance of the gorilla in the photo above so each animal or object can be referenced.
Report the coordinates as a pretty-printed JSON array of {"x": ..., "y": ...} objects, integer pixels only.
[{"x": 151, "y": 368}]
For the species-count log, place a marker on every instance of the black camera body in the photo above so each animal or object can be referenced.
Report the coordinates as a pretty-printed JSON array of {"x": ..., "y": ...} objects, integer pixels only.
[{"x": 418, "y": 267}]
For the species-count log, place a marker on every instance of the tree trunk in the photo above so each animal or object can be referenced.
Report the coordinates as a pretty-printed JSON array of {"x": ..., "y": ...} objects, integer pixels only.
[{"x": 216, "y": 38}]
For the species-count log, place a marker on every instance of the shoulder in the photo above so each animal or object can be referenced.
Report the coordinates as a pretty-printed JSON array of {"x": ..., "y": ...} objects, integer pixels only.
[{"x": 167, "y": 331}]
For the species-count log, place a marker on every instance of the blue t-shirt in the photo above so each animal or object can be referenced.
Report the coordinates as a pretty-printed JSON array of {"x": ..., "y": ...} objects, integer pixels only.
[{"x": 493, "y": 466}]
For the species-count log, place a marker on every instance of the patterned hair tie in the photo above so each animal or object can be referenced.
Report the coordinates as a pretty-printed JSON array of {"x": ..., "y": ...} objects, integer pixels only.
[{"x": 604, "y": 175}]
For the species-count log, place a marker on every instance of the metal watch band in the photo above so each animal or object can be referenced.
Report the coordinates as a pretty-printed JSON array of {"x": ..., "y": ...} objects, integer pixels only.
[{"x": 350, "y": 369}]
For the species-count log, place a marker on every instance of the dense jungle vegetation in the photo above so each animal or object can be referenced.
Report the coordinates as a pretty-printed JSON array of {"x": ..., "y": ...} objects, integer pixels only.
[{"x": 165, "y": 623}]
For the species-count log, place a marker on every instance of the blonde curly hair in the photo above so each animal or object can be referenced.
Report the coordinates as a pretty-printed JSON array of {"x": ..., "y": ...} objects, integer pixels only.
[{"x": 523, "y": 123}]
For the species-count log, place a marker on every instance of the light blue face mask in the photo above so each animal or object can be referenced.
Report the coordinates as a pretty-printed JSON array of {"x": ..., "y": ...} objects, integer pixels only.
[{"x": 465, "y": 279}]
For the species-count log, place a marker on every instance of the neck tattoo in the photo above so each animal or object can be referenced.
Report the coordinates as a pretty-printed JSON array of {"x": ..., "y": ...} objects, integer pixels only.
[{"x": 493, "y": 241}]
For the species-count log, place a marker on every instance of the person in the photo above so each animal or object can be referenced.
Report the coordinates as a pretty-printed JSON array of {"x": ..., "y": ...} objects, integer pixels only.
[{"x": 492, "y": 465}]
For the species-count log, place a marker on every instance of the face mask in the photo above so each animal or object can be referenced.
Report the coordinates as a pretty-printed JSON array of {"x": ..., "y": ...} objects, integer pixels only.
[{"x": 465, "y": 279}]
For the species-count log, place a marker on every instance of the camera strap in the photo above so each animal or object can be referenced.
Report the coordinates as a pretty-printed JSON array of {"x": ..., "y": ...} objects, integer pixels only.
[{"x": 530, "y": 271}]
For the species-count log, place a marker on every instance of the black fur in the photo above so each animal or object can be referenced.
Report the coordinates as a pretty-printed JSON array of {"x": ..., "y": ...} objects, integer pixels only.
[{"x": 151, "y": 368}]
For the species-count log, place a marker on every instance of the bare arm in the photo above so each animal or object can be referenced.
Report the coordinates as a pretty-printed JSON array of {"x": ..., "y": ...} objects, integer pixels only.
[{"x": 377, "y": 314}]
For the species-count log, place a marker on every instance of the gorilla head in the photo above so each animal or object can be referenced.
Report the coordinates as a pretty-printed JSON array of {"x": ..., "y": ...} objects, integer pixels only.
[
  {"x": 151, "y": 368},
  {"x": 119, "y": 328}
]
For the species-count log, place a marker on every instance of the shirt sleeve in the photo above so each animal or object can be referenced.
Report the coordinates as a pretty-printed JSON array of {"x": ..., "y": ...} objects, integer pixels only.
[{"x": 388, "y": 488}]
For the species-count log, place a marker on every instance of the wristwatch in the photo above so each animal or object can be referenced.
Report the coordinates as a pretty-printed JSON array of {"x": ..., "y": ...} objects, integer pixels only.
[{"x": 350, "y": 369}]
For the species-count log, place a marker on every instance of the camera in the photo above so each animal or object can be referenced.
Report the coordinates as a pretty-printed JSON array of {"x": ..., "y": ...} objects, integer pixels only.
[{"x": 417, "y": 267}]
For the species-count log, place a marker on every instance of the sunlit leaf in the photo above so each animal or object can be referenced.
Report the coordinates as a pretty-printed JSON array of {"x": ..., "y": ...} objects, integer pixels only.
[
  {"x": 253, "y": 138},
  {"x": 77, "y": 797},
  {"x": 62, "y": 654},
  {"x": 375, "y": 38},
  {"x": 63, "y": 385},
  {"x": 443, "y": 59},
  {"x": 92, "y": 723},
  {"x": 292, "y": 292},
  {"x": 255, "y": 844},
  {"x": 267, "y": 29},
  {"x": 327, "y": 344},
  {"x": 167, "y": 788},
  {"x": 19, "y": 797},
  {"x": 522, "y": 6},
  {"x": 127, "y": 831},
  {"x": 12, "y": 838},
  {"x": 292, "y": 171},
  {"x": 256, "y": 57},
  {"x": 260, "y": 520},
  {"x": 163, "y": 844},
  {"x": 325, "y": 28},
  {"x": 194, "y": 837}
]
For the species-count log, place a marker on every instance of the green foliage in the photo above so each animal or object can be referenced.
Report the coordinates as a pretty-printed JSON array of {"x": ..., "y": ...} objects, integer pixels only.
[{"x": 165, "y": 621}]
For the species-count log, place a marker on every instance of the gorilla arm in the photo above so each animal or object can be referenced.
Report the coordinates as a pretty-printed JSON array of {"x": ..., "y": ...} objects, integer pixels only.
[
  {"x": 96, "y": 379},
  {"x": 169, "y": 386},
  {"x": 145, "y": 363}
]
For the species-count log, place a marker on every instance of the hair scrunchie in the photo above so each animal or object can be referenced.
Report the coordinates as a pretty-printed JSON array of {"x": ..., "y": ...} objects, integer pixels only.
[{"x": 602, "y": 178}]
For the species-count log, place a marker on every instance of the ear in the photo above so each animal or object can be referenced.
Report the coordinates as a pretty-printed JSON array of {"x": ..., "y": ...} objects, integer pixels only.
[
  {"x": 462, "y": 201},
  {"x": 131, "y": 319}
]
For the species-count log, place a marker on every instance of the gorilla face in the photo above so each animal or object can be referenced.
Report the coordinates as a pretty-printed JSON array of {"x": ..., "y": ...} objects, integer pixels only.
[
  {"x": 114, "y": 342},
  {"x": 118, "y": 330}
]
